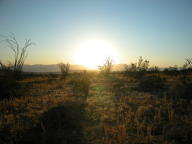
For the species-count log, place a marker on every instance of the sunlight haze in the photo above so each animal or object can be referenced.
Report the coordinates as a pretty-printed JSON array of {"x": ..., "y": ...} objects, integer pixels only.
[
  {"x": 92, "y": 53},
  {"x": 86, "y": 31}
]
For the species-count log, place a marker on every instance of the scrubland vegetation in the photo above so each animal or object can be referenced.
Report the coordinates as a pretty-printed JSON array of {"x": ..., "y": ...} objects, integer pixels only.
[{"x": 140, "y": 105}]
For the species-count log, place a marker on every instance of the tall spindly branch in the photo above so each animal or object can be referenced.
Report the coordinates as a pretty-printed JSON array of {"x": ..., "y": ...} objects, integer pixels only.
[{"x": 20, "y": 52}]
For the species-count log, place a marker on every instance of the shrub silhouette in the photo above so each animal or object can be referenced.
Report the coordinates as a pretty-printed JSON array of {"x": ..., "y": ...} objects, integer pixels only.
[
  {"x": 5, "y": 68},
  {"x": 107, "y": 66},
  {"x": 188, "y": 64},
  {"x": 138, "y": 69},
  {"x": 64, "y": 68},
  {"x": 154, "y": 69},
  {"x": 187, "y": 67}
]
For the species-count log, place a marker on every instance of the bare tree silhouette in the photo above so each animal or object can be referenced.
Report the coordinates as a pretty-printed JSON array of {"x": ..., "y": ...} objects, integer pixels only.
[
  {"x": 20, "y": 52},
  {"x": 137, "y": 69},
  {"x": 107, "y": 66},
  {"x": 188, "y": 64},
  {"x": 64, "y": 68}
]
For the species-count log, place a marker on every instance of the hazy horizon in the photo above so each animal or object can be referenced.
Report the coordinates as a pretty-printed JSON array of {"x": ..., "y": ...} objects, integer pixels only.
[
  {"x": 73, "y": 67},
  {"x": 84, "y": 32}
]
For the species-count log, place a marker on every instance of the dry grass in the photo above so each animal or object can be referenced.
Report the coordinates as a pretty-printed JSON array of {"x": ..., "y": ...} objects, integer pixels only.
[{"x": 94, "y": 109}]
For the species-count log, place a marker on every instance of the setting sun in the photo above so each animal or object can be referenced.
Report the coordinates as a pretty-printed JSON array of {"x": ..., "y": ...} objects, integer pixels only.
[
  {"x": 96, "y": 71},
  {"x": 92, "y": 53}
]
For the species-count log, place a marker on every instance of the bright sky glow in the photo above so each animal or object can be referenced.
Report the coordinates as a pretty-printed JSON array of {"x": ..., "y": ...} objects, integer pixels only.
[
  {"x": 93, "y": 53},
  {"x": 157, "y": 30}
]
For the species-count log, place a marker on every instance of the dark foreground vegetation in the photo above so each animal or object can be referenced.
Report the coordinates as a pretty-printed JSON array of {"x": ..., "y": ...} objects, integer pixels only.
[{"x": 141, "y": 105}]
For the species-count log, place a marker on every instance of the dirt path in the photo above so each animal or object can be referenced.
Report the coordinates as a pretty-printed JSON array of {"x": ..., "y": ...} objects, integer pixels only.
[
  {"x": 60, "y": 117},
  {"x": 100, "y": 109}
]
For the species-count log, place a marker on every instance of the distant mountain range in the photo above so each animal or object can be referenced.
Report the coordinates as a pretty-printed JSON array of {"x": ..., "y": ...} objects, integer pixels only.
[{"x": 54, "y": 68}]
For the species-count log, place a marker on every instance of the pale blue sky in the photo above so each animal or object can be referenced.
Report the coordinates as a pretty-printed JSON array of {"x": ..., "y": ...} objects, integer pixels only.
[{"x": 159, "y": 30}]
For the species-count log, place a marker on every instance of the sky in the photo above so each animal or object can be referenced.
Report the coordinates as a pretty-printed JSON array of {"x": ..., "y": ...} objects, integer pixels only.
[{"x": 157, "y": 30}]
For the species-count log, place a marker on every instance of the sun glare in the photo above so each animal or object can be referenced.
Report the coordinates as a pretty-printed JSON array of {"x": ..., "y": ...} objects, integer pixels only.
[{"x": 92, "y": 53}]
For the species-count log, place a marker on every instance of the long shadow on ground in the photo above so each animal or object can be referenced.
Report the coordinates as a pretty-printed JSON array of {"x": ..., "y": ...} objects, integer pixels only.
[{"x": 59, "y": 125}]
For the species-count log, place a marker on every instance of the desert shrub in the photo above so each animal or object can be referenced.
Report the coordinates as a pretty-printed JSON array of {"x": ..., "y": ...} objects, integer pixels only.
[
  {"x": 131, "y": 70},
  {"x": 138, "y": 69},
  {"x": 154, "y": 69},
  {"x": 151, "y": 83},
  {"x": 187, "y": 67},
  {"x": 188, "y": 64},
  {"x": 64, "y": 68},
  {"x": 5, "y": 68},
  {"x": 81, "y": 84},
  {"x": 142, "y": 65},
  {"x": 107, "y": 66}
]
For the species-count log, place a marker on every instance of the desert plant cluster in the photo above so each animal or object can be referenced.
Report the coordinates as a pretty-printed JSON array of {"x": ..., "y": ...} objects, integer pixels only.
[{"x": 139, "y": 105}]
